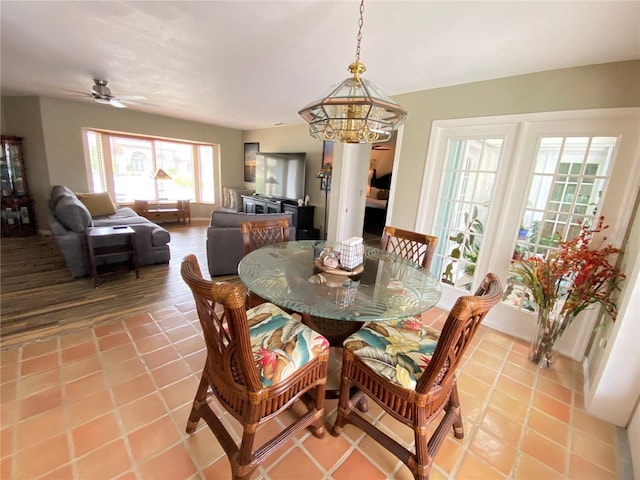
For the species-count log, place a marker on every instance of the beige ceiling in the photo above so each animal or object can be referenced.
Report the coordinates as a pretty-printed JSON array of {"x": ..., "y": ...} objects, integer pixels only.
[{"x": 253, "y": 64}]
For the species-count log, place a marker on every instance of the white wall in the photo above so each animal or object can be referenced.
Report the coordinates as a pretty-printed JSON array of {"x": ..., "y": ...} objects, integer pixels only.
[
  {"x": 612, "y": 374},
  {"x": 633, "y": 431}
]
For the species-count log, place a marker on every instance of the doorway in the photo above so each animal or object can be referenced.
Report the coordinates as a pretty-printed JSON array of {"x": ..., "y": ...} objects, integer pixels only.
[
  {"x": 487, "y": 178},
  {"x": 378, "y": 188}
]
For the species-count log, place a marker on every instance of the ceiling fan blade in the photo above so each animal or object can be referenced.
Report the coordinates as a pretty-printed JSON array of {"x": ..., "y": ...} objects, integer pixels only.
[
  {"x": 132, "y": 97},
  {"x": 76, "y": 93},
  {"x": 114, "y": 102}
]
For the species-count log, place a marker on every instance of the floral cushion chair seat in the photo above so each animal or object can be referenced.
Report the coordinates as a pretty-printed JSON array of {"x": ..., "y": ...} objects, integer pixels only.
[
  {"x": 398, "y": 350},
  {"x": 281, "y": 345}
]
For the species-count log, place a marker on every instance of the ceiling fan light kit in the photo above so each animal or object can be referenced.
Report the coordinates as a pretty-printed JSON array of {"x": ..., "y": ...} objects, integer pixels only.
[{"x": 356, "y": 111}]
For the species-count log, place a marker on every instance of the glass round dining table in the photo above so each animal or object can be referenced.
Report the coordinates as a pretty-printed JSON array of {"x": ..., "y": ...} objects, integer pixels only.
[{"x": 336, "y": 303}]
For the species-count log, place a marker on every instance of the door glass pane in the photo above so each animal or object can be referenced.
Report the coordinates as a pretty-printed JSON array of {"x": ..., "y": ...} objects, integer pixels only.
[
  {"x": 566, "y": 189},
  {"x": 463, "y": 207}
]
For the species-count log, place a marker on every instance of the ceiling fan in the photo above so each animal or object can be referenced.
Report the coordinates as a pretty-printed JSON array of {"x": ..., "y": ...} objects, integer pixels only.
[{"x": 101, "y": 93}]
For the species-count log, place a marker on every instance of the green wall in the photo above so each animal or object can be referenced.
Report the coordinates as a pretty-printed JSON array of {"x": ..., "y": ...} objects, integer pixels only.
[
  {"x": 610, "y": 85},
  {"x": 54, "y": 149}
]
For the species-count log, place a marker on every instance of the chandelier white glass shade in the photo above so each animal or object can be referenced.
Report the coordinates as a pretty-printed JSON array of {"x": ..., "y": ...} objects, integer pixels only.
[{"x": 356, "y": 111}]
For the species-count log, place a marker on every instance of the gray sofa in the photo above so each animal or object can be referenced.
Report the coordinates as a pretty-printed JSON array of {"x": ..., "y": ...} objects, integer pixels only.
[
  {"x": 224, "y": 239},
  {"x": 69, "y": 217}
]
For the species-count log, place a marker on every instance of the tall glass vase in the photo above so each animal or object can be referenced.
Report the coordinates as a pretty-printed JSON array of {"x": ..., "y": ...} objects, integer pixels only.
[{"x": 551, "y": 325}]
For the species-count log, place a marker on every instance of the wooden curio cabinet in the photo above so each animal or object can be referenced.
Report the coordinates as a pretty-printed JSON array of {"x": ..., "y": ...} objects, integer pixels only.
[{"x": 17, "y": 206}]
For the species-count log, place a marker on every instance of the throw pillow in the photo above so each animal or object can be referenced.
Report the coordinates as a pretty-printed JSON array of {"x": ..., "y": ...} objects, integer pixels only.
[
  {"x": 98, "y": 204},
  {"x": 236, "y": 202},
  {"x": 226, "y": 191},
  {"x": 229, "y": 197}
]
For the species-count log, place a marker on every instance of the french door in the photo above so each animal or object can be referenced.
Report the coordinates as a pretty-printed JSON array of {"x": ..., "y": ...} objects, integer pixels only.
[{"x": 499, "y": 189}]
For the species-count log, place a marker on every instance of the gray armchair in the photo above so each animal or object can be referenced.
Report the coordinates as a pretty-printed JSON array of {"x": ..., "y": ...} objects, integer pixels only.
[{"x": 224, "y": 238}]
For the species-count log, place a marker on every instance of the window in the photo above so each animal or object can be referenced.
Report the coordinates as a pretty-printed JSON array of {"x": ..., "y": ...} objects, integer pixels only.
[
  {"x": 467, "y": 191},
  {"x": 125, "y": 166}
]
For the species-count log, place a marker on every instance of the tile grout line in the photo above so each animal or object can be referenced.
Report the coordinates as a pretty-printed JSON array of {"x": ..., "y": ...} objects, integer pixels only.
[
  {"x": 527, "y": 417},
  {"x": 466, "y": 447},
  {"x": 182, "y": 436},
  {"x": 125, "y": 437}
]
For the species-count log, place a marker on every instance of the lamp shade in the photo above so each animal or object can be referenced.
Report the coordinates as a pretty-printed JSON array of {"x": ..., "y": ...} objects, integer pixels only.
[
  {"x": 161, "y": 175},
  {"x": 325, "y": 171}
]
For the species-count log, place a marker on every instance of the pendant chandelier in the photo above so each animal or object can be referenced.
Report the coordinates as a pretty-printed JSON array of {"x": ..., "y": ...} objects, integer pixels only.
[{"x": 356, "y": 111}]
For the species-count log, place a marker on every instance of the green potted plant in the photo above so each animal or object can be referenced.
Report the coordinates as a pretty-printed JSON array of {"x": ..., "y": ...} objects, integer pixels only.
[
  {"x": 518, "y": 252},
  {"x": 467, "y": 246}
]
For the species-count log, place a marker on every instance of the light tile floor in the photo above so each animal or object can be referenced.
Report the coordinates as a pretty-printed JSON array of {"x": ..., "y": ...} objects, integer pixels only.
[{"x": 112, "y": 402}]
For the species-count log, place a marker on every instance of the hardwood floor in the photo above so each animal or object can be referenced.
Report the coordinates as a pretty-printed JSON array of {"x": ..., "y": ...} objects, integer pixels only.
[{"x": 39, "y": 298}]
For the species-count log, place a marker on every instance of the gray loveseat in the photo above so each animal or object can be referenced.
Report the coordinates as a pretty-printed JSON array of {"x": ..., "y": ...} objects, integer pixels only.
[
  {"x": 69, "y": 218},
  {"x": 224, "y": 239}
]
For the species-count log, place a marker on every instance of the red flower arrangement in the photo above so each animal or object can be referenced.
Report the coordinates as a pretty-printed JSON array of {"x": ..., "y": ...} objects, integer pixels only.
[{"x": 566, "y": 281}]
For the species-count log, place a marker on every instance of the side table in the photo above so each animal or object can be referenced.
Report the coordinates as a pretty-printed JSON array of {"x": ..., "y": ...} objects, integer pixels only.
[
  {"x": 164, "y": 211},
  {"x": 105, "y": 242}
]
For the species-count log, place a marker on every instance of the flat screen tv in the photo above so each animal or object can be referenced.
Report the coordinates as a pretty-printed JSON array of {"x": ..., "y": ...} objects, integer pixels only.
[{"x": 280, "y": 175}]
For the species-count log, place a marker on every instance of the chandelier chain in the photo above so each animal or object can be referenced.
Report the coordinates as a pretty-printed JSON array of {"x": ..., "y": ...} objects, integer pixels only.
[{"x": 360, "y": 23}]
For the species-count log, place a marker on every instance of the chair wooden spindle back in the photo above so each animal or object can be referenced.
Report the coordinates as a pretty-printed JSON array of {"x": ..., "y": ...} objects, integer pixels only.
[
  {"x": 261, "y": 233},
  {"x": 417, "y": 247},
  {"x": 459, "y": 328},
  {"x": 227, "y": 340}
]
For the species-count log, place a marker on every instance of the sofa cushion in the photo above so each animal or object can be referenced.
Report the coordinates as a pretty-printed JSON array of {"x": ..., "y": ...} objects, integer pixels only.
[
  {"x": 72, "y": 213},
  {"x": 127, "y": 216},
  {"x": 224, "y": 218},
  {"x": 58, "y": 192},
  {"x": 98, "y": 204},
  {"x": 127, "y": 212}
]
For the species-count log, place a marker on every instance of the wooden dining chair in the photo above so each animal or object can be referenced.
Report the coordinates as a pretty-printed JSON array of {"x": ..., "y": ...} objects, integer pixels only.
[
  {"x": 418, "y": 247},
  {"x": 259, "y": 362},
  {"x": 264, "y": 232},
  {"x": 409, "y": 370},
  {"x": 259, "y": 234}
]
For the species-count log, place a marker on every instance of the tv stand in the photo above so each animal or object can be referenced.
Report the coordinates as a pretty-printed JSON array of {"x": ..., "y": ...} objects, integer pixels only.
[
  {"x": 302, "y": 217},
  {"x": 260, "y": 204}
]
